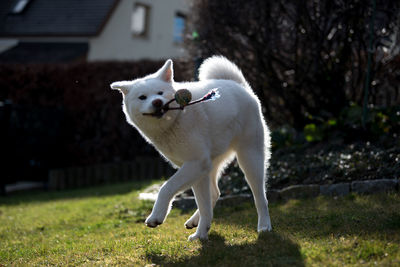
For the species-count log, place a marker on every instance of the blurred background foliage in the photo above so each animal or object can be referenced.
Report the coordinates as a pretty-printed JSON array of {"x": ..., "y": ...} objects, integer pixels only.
[
  {"x": 307, "y": 62},
  {"x": 304, "y": 59},
  {"x": 381, "y": 123},
  {"x": 64, "y": 115}
]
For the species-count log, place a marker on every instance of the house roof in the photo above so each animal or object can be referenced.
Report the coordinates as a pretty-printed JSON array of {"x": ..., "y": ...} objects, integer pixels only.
[
  {"x": 55, "y": 17},
  {"x": 44, "y": 53}
]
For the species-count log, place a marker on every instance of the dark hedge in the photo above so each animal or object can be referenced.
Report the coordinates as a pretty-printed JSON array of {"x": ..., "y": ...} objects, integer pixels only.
[{"x": 67, "y": 115}]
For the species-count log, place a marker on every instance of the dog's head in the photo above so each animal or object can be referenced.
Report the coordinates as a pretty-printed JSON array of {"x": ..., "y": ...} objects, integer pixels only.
[{"x": 145, "y": 96}]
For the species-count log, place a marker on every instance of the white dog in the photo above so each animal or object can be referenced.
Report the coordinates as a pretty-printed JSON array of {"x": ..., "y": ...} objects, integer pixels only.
[{"x": 203, "y": 138}]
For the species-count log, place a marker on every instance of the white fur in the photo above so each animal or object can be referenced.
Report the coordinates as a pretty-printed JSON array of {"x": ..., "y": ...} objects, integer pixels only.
[{"x": 203, "y": 138}]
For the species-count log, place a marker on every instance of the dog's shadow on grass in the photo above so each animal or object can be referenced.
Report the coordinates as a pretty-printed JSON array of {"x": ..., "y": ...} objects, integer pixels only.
[{"x": 270, "y": 249}]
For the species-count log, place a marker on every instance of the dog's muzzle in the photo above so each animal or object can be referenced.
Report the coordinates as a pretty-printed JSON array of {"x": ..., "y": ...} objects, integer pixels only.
[{"x": 158, "y": 105}]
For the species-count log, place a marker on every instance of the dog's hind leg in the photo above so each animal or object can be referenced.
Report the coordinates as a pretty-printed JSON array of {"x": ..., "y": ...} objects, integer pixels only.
[{"x": 251, "y": 161}]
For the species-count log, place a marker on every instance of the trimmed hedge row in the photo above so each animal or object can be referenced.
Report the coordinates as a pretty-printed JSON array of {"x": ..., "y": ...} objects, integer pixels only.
[{"x": 70, "y": 112}]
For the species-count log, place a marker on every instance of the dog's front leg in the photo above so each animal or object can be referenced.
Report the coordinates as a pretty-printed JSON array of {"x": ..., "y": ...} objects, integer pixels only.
[
  {"x": 202, "y": 194},
  {"x": 184, "y": 178}
]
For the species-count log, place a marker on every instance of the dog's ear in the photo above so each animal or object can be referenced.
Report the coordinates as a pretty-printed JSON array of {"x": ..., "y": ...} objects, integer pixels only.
[
  {"x": 122, "y": 86},
  {"x": 166, "y": 73}
]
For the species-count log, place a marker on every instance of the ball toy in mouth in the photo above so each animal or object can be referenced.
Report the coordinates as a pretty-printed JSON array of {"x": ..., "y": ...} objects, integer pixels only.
[{"x": 183, "y": 97}]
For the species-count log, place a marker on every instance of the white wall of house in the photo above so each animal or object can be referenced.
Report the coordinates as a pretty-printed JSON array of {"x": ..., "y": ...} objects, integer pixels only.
[{"x": 117, "y": 42}]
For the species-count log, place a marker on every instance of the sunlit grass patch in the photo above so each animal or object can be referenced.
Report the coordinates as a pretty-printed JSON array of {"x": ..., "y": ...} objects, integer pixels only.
[{"x": 105, "y": 225}]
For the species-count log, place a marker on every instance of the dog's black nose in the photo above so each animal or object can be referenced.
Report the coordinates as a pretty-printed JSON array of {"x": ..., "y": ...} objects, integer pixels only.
[{"x": 157, "y": 103}]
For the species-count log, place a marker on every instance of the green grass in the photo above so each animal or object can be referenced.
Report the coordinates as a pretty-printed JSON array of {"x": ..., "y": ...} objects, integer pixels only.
[{"x": 104, "y": 226}]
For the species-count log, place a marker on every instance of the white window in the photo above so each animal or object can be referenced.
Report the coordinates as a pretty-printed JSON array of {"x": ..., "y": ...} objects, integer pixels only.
[
  {"x": 179, "y": 27},
  {"x": 140, "y": 20}
]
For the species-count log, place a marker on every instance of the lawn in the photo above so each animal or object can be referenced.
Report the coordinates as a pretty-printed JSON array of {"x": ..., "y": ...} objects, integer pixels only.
[{"x": 104, "y": 226}]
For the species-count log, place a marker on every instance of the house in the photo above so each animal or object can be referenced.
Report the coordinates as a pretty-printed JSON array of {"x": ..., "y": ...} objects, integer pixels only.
[{"x": 91, "y": 30}]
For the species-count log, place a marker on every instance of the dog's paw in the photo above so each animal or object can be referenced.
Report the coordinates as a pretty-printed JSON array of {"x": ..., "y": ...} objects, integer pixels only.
[
  {"x": 266, "y": 228},
  {"x": 264, "y": 224},
  {"x": 190, "y": 224},
  {"x": 152, "y": 221},
  {"x": 198, "y": 236},
  {"x": 193, "y": 221}
]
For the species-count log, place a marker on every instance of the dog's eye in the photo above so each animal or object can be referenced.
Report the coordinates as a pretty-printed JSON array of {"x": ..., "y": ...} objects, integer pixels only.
[
  {"x": 160, "y": 93},
  {"x": 142, "y": 97}
]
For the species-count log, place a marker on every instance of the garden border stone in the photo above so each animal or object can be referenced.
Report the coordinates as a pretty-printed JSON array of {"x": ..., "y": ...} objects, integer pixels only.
[
  {"x": 340, "y": 189},
  {"x": 301, "y": 191},
  {"x": 372, "y": 186}
]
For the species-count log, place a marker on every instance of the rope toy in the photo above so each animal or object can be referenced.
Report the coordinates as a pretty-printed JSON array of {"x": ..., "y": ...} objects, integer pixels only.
[{"x": 182, "y": 98}]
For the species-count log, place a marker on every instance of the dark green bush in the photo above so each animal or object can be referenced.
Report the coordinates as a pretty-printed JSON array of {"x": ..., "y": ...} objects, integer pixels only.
[
  {"x": 303, "y": 57},
  {"x": 94, "y": 129}
]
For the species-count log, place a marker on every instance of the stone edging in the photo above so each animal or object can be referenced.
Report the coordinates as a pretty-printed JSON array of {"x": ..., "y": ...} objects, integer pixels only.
[{"x": 304, "y": 191}]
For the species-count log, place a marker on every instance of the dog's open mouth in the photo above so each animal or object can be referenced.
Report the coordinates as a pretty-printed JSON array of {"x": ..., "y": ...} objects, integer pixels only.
[
  {"x": 161, "y": 110},
  {"x": 158, "y": 113}
]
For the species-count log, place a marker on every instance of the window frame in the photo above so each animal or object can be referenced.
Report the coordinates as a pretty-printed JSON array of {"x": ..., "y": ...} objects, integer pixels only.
[
  {"x": 146, "y": 30},
  {"x": 182, "y": 15}
]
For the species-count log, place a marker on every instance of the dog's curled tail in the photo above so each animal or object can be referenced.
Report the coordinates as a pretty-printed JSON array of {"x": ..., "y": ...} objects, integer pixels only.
[{"x": 219, "y": 67}]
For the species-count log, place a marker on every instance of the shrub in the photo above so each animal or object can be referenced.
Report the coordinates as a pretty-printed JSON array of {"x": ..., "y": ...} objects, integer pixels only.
[
  {"x": 303, "y": 57},
  {"x": 77, "y": 117}
]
